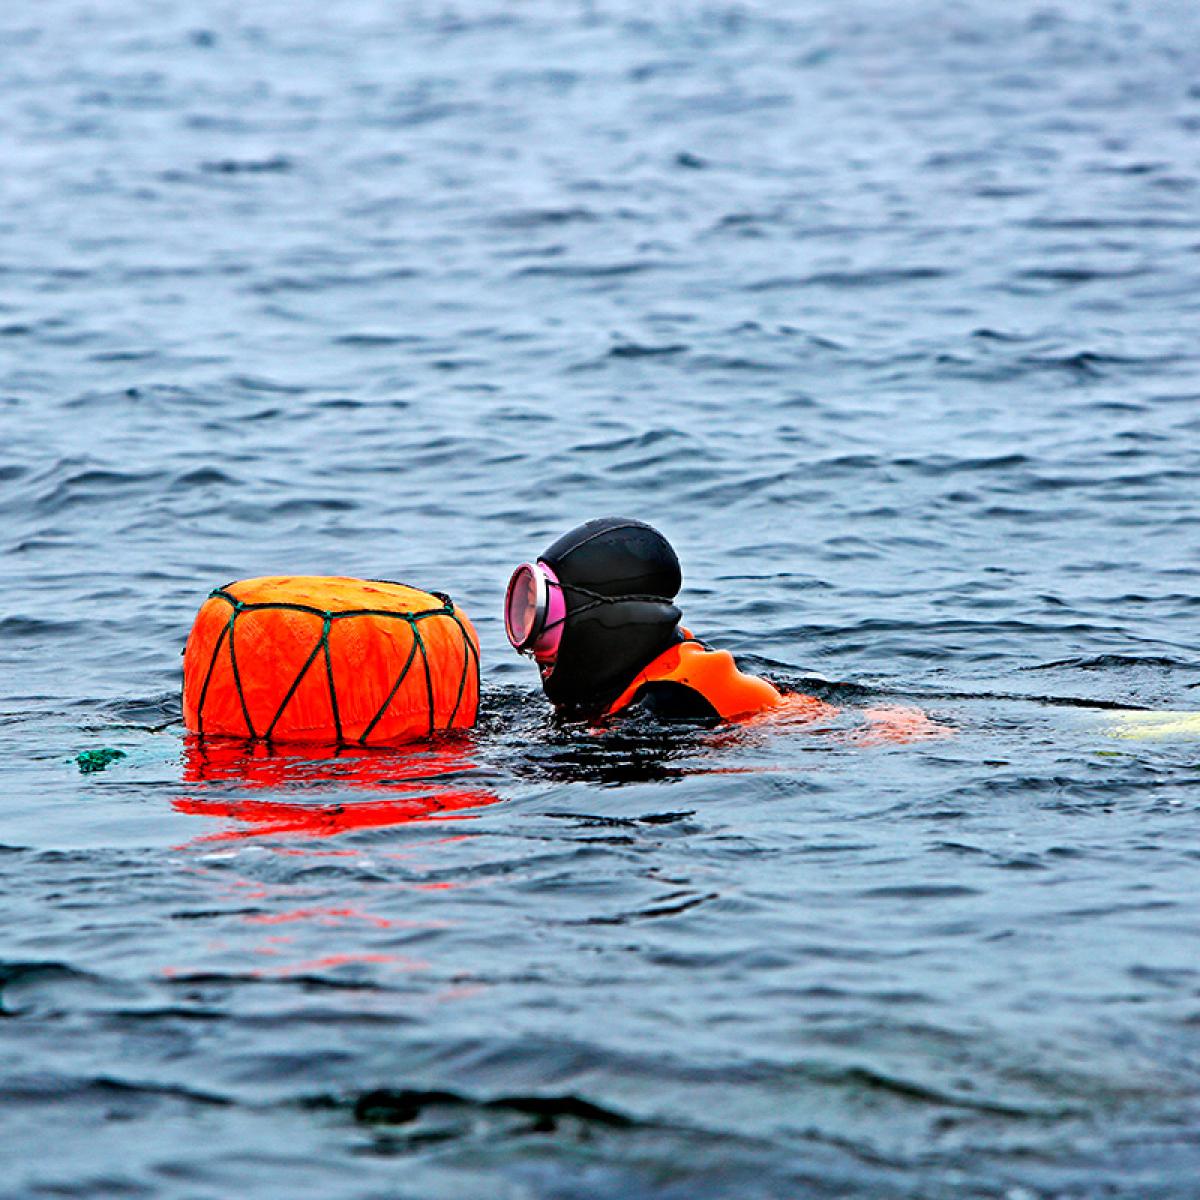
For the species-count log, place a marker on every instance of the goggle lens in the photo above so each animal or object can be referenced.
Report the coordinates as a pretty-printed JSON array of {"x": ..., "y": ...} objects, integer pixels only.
[
  {"x": 534, "y": 611},
  {"x": 521, "y": 606}
]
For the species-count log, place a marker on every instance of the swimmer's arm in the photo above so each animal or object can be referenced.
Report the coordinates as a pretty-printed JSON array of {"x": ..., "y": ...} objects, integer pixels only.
[{"x": 898, "y": 723}]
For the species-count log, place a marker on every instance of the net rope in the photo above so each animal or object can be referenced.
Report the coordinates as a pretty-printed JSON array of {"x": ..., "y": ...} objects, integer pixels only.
[{"x": 238, "y": 607}]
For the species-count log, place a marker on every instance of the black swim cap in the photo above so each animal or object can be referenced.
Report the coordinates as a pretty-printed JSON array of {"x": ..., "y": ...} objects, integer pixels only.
[{"x": 618, "y": 577}]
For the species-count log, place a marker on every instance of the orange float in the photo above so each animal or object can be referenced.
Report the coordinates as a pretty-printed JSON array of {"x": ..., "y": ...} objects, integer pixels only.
[{"x": 306, "y": 658}]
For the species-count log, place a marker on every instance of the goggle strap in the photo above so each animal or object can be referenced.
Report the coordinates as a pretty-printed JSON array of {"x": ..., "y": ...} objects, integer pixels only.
[{"x": 596, "y": 597}]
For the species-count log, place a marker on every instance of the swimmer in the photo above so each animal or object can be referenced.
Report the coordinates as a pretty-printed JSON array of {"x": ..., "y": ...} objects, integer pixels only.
[{"x": 596, "y": 612}]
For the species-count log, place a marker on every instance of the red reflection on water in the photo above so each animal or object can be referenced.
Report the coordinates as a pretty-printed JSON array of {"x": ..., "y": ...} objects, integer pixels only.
[
  {"x": 314, "y": 966},
  {"x": 331, "y": 915},
  {"x": 426, "y": 783}
]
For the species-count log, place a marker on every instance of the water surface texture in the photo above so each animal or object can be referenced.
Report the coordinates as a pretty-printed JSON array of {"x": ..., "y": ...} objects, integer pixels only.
[{"x": 886, "y": 314}]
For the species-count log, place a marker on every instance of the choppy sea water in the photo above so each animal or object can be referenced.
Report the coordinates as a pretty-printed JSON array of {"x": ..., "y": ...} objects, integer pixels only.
[{"x": 886, "y": 315}]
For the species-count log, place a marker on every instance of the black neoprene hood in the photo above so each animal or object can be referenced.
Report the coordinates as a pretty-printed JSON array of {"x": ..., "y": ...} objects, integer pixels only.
[{"x": 619, "y": 578}]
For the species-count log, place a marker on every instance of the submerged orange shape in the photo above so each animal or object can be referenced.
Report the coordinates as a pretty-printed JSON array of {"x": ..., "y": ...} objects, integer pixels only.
[
  {"x": 306, "y": 658},
  {"x": 424, "y": 784}
]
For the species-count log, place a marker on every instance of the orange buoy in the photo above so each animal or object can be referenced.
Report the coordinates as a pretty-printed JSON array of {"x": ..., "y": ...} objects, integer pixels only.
[{"x": 307, "y": 658}]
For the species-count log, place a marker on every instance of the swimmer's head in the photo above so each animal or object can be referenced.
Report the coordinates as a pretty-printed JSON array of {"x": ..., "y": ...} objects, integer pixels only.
[{"x": 594, "y": 609}]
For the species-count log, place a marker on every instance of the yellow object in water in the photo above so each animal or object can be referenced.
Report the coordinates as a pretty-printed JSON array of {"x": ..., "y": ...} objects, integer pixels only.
[{"x": 1146, "y": 726}]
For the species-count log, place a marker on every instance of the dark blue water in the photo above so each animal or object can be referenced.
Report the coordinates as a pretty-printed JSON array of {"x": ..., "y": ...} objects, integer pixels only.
[{"x": 886, "y": 315}]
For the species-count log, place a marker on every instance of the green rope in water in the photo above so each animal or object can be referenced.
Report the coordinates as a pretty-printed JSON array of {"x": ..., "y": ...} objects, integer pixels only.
[{"x": 96, "y": 760}]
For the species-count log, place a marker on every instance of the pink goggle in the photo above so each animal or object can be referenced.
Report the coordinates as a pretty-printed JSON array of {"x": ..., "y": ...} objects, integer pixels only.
[{"x": 534, "y": 611}]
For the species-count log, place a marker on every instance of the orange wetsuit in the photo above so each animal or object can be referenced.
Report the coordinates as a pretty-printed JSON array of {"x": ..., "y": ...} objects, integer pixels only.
[
  {"x": 697, "y": 682},
  {"x": 690, "y": 681}
]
